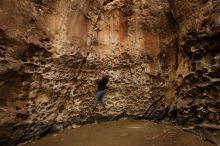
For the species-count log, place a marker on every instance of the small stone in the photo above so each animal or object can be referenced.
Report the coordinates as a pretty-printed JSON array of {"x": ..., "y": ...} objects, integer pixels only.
[
  {"x": 75, "y": 126},
  {"x": 57, "y": 128}
]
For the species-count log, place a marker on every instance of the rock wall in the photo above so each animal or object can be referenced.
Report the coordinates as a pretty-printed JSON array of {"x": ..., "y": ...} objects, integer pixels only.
[
  {"x": 162, "y": 57},
  {"x": 197, "y": 82},
  {"x": 198, "y": 71}
]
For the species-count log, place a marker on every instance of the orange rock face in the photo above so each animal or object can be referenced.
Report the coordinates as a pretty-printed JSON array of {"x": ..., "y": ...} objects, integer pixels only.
[{"x": 162, "y": 57}]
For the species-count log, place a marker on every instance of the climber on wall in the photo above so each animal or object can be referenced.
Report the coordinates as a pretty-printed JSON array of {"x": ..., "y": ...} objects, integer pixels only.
[{"x": 101, "y": 91}]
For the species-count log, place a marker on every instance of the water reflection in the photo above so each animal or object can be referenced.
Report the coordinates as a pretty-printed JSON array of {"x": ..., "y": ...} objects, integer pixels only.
[{"x": 122, "y": 133}]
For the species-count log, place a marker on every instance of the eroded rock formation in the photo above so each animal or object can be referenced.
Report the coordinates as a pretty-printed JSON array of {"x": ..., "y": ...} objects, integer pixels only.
[{"x": 162, "y": 56}]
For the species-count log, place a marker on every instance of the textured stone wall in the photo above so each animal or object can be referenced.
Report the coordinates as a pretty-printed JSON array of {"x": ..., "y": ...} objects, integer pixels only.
[
  {"x": 198, "y": 71},
  {"x": 162, "y": 57},
  {"x": 197, "y": 82}
]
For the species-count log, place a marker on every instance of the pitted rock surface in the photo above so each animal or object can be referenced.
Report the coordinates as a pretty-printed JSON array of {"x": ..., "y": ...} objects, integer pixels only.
[{"x": 162, "y": 57}]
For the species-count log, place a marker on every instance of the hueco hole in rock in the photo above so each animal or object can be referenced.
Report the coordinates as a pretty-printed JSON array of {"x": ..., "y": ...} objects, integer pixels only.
[{"x": 109, "y": 72}]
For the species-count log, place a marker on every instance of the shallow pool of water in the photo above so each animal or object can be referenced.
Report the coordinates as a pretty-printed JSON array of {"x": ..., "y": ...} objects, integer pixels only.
[{"x": 122, "y": 133}]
